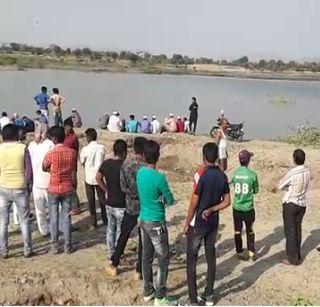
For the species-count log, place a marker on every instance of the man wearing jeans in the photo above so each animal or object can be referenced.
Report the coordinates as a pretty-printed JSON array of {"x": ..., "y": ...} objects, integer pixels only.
[
  {"x": 128, "y": 183},
  {"x": 211, "y": 194},
  {"x": 60, "y": 163},
  {"x": 92, "y": 156},
  {"x": 15, "y": 187},
  {"x": 296, "y": 184},
  {"x": 154, "y": 194},
  {"x": 108, "y": 178}
]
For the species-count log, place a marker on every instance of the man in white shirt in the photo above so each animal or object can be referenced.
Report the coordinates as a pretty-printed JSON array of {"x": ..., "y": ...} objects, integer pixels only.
[
  {"x": 156, "y": 126},
  {"x": 92, "y": 156},
  {"x": 4, "y": 120},
  {"x": 115, "y": 122},
  {"x": 296, "y": 184},
  {"x": 38, "y": 151}
]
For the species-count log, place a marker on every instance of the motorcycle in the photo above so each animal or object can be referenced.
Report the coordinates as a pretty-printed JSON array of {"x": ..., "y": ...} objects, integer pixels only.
[{"x": 235, "y": 132}]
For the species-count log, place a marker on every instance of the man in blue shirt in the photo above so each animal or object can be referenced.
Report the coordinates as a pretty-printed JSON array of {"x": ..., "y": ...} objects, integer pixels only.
[
  {"x": 132, "y": 125},
  {"x": 42, "y": 100}
]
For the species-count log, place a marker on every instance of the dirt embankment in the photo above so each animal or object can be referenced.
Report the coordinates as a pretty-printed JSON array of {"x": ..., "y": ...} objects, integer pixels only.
[{"x": 80, "y": 279}]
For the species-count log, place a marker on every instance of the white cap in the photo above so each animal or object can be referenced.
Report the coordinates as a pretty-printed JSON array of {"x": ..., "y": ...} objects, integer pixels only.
[
  {"x": 178, "y": 117},
  {"x": 115, "y": 113},
  {"x": 221, "y": 112},
  {"x": 73, "y": 110},
  {"x": 145, "y": 117},
  {"x": 154, "y": 117},
  {"x": 171, "y": 115}
]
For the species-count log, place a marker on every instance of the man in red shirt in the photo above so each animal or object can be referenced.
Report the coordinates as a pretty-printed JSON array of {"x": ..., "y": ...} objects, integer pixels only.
[
  {"x": 180, "y": 125},
  {"x": 60, "y": 162},
  {"x": 71, "y": 141}
]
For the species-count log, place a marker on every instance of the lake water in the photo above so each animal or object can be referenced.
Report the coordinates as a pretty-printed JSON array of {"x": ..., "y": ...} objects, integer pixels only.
[{"x": 241, "y": 99}]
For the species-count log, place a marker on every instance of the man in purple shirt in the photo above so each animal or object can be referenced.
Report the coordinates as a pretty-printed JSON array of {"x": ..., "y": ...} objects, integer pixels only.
[{"x": 145, "y": 126}]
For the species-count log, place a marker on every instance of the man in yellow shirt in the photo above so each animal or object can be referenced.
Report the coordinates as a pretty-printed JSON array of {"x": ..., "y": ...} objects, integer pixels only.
[{"x": 15, "y": 187}]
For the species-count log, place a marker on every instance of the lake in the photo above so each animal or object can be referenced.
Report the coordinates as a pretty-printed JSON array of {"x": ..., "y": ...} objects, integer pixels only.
[{"x": 268, "y": 108}]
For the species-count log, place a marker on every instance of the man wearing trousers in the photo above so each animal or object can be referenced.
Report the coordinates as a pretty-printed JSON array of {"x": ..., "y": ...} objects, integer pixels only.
[
  {"x": 296, "y": 184},
  {"x": 92, "y": 156}
]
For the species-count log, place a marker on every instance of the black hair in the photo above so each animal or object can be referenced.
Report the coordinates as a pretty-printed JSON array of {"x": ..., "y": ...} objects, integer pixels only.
[
  {"x": 22, "y": 134},
  {"x": 194, "y": 98},
  {"x": 38, "y": 112},
  {"x": 210, "y": 152},
  {"x": 55, "y": 90},
  {"x": 120, "y": 148},
  {"x": 151, "y": 152},
  {"x": 68, "y": 122},
  {"x": 92, "y": 133},
  {"x": 131, "y": 117},
  {"x": 299, "y": 156},
  {"x": 4, "y": 114},
  {"x": 57, "y": 133},
  {"x": 185, "y": 118},
  {"x": 138, "y": 144},
  {"x": 44, "y": 89},
  {"x": 10, "y": 133}
]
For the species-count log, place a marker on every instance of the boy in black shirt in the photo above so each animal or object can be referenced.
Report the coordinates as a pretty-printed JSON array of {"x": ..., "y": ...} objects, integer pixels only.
[
  {"x": 108, "y": 178},
  {"x": 211, "y": 194}
]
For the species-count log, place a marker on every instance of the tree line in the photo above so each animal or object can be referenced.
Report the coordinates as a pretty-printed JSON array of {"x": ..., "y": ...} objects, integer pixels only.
[{"x": 145, "y": 57}]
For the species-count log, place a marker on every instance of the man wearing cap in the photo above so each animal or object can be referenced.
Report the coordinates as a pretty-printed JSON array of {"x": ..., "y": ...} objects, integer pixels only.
[
  {"x": 115, "y": 123},
  {"x": 170, "y": 124},
  {"x": 245, "y": 182},
  {"x": 145, "y": 126},
  {"x": 76, "y": 118},
  {"x": 156, "y": 126}
]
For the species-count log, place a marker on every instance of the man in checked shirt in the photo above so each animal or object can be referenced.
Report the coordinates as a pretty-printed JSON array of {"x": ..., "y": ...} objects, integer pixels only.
[
  {"x": 296, "y": 184},
  {"x": 60, "y": 162}
]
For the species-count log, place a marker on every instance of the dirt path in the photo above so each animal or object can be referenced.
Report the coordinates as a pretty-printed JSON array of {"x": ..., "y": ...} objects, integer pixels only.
[{"x": 80, "y": 279}]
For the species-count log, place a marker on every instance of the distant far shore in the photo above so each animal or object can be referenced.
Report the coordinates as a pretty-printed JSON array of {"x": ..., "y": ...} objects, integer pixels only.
[
  {"x": 237, "y": 74},
  {"x": 22, "y": 62}
]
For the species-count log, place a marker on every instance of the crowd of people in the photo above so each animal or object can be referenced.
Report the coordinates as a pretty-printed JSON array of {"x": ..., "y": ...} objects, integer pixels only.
[
  {"x": 132, "y": 192},
  {"x": 171, "y": 124}
]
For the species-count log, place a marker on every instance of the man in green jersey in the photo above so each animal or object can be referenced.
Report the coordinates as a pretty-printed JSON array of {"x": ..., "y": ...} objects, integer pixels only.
[{"x": 245, "y": 182}]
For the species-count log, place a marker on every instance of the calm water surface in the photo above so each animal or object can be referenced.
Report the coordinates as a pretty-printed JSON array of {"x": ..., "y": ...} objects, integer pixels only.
[{"x": 241, "y": 99}]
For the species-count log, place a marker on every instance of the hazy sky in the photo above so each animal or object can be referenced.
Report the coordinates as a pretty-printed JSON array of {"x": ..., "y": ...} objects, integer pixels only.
[{"x": 287, "y": 29}]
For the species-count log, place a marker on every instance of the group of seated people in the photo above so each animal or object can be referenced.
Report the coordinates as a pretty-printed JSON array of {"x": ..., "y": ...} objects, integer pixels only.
[{"x": 172, "y": 124}]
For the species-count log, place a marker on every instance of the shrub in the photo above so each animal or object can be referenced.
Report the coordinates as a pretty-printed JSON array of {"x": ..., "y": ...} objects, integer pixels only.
[{"x": 305, "y": 135}]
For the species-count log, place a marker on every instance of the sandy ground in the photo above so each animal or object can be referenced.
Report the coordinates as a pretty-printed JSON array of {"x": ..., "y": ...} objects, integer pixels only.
[{"x": 80, "y": 279}]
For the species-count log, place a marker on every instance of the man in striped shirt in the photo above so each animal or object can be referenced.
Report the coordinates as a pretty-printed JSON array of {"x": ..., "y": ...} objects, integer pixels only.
[{"x": 296, "y": 184}]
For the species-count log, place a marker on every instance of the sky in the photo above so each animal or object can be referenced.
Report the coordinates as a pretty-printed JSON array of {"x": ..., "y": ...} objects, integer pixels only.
[{"x": 286, "y": 29}]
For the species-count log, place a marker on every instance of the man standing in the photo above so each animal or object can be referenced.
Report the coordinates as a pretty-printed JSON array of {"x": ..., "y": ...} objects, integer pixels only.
[
  {"x": 128, "y": 182},
  {"x": 154, "y": 195},
  {"x": 72, "y": 141},
  {"x": 245, "y": 182},
  {"x": 15, "y": 187},
  {"x": 92, "y": 156},
  {"x": 38, "y": 150},
  {"x": 211, "y": 194},
  {"x": 193, "y": 115},
  {"x": 42, "y": 101},
  {"x": 57, "y": 100},
  {"x": 108, "y": 178},
  {"x": 296, "y": 184},
  {"x": 60, "y": 163}
]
